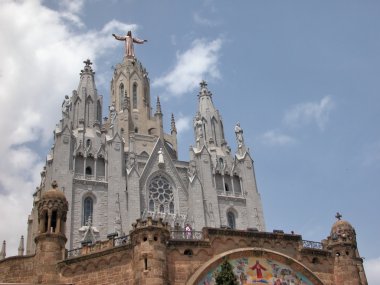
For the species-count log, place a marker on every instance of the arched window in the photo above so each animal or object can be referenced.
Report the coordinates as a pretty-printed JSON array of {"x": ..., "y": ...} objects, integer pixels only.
[
  {"x": 221, "y": 163},
  {"x": 121, "y": 95},
  {"x": 231, "y": 220},
  {"x": 134, "y": 96},
  {"x": 88, "y": 205},
  {"x": 161, "y": 195}
]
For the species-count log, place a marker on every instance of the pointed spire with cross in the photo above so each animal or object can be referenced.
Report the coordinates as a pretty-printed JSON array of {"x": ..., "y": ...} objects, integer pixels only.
[
  {"x": 158, "y": 106},
  {"x": 338, "y": 216},
  {"x": 172, "y": 125}
]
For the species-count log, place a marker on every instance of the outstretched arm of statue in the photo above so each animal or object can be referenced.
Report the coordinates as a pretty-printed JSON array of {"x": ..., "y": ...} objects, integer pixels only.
[
  {"x": 120, "y": 38},
  {"x": 138, "y": 41}
]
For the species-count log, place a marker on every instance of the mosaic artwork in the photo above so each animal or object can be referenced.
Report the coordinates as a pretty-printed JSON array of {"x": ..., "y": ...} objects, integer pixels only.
[{"x": 253, "y": 270}]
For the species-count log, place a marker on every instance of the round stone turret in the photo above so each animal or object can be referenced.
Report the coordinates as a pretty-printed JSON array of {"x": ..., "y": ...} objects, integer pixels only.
[
  {"x": 149, "y": 238},
  {"x": 51, "y": 239},
  {"x": 348, "y": 265},
  {"x": 52, "y": 211}
]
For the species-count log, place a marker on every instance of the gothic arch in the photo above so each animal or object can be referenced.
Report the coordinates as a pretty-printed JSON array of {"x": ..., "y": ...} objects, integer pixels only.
[{"x": 254, "y": 253}]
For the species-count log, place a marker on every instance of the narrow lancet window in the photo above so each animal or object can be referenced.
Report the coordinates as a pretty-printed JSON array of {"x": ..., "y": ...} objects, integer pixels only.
[{"x": 134, "y": 96}]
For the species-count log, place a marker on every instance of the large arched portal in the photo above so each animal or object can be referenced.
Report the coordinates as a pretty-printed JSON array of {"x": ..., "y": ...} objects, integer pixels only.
[{"x": 256, "y": 266}]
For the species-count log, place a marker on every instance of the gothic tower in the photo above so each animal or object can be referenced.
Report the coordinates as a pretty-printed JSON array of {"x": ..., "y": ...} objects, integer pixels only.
[{"x": 222, "y": 185}]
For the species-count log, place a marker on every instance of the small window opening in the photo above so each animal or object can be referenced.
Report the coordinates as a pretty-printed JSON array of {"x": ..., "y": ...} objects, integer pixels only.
[
  {"x": 226, "y": 187},
  {"x": 88, "y": 170},
  {"x": 88, "y": 142},
  {"x": 231, "y": 220},
  {"x": 53, "y": 221},
  {"x": 136, "y": 130},
  {"x": 146, "y": 263},
  {"x": 155, "y": 238},
  {"x": 46, "y": 222},
  {"x": 188, "y": 252},
  {"x": 145, "y": 238}
]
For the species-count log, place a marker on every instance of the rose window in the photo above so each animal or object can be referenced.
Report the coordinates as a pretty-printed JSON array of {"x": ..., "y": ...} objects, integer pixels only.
[{"x": 161, "y": 195}]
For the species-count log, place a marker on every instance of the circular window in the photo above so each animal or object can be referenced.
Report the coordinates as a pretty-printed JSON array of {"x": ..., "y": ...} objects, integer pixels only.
[{"x": 161, "y": 197}]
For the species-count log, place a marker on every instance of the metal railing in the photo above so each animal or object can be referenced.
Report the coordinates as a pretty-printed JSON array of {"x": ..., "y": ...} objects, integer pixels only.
[
  {"x": 186, "y": 235},
  {"x": 74, "y": 252},
  {"x": 100, "y": 245},
  {"x": 312, "y": 244}
]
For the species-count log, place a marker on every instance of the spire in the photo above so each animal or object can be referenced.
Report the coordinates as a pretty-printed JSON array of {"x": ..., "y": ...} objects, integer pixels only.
[
  {"x": 21, "y": 246},
  {"x": 208, "y": 125},
  {"x": 3, "y": 253},
  {"x": 85, "y": 102},
  {"x": 158, "y": 106},
  {"x": 172, "y": 125}
]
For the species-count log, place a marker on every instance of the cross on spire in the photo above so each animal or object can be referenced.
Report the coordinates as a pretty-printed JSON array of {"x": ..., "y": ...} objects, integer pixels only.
[
  {"x": 87, "y": 62},
  {"x": 338, "y": 216},
  {"x": 203, "y": 84}
]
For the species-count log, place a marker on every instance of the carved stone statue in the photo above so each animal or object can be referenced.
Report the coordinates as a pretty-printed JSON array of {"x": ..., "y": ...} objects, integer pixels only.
[
  {"x": 112, "y": 114},
  {"x": 161, "y": 157},
  {"x": 129, "y": 40},
  {"x": 239, "y": 135},
  {"x": 198, "y": 125},
  {"x": 66, "y": 104}
]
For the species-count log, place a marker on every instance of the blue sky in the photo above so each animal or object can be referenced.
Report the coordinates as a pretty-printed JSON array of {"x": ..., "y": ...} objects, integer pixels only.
[{"x": 302, "y": 78}]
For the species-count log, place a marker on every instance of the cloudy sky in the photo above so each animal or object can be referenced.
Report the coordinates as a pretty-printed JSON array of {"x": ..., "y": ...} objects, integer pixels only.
[{"x": 302, "y": 78}]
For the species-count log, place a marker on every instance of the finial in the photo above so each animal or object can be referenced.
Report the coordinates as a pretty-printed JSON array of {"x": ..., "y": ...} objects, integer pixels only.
[
  {"x": 54, "y": 184},
  {"x": 338, "y": 216},
  {"x": 3, "y": 253},
  {"x": 204, "y": 91},
  {"x": 87, "y": 62},
  {"x": 21, "y": 246},
  {"x": 158, "y": 106},
  {"x": 172, "y": 124}
]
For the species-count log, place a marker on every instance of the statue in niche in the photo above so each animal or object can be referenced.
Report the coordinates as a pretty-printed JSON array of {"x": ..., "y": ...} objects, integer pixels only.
[
  {"x": 131, "y": 162},
  {"x": 112, "y": 113},
  {"x": 160, "y": 157},
  {"x": 198, "y": 125},
  {"x": 192, "y": 169},
  {"x": 129, "y": 40},
  {"x": 239, "y": 135},
  {"x": 66, "y": 105}
]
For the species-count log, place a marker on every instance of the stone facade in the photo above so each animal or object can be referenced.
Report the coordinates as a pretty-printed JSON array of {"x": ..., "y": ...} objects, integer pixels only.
[
  {"x": 127, "y": 211},
  {"x": 109, "y": 168}
]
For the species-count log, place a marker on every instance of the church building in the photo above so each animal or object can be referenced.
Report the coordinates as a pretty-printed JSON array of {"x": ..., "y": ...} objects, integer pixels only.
[{"x": 116, "y": 205}]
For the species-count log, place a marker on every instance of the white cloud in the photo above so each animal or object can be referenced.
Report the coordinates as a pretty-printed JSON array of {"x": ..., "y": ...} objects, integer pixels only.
[
  {"x": 372, "y": 270},
  {"x": 275, "y": 138},
  {"x": 69, "y": 10},
  {"x": 183, "y": 123},
  {"x": 192, "y": 66},
  {"x": 310, "y": 112},
  {"x": 41, "y": 59},
  {"x": 198, "y": 19}
]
